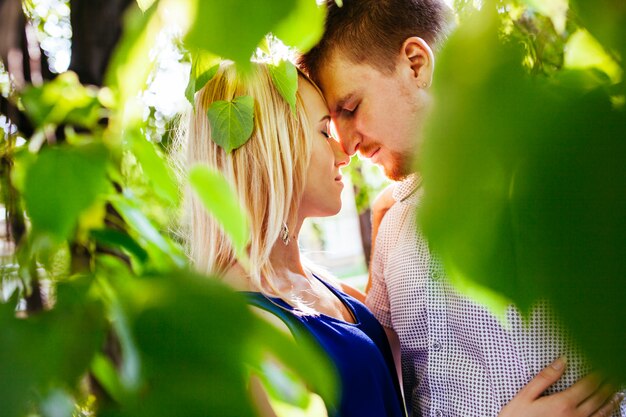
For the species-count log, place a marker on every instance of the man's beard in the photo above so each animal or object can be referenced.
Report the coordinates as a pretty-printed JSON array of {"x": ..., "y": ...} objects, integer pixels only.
[{"x": 401, "y": 166}]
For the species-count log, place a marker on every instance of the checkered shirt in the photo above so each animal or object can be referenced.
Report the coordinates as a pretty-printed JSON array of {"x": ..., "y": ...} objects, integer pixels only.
[{"x": 458, "y": 360}]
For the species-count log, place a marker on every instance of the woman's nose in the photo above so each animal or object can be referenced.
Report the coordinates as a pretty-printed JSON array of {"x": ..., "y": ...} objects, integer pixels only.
[{"x": 341, "y": 157}]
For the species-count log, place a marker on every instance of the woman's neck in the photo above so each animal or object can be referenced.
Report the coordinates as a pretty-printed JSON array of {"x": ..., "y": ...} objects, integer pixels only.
[
  {"x": 286, "y": 263},
  {"x": 285, "y": 258}
]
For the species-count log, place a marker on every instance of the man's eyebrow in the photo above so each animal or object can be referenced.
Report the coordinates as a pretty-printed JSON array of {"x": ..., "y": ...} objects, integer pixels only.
[{"x": 342, "y": 102}]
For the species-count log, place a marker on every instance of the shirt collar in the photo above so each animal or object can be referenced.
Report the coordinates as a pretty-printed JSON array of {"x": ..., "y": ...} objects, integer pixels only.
[{"x": 406, "y": 189}]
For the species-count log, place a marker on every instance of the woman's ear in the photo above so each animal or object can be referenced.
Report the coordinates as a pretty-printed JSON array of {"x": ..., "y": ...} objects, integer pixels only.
[{"x": 416, "y": 53}]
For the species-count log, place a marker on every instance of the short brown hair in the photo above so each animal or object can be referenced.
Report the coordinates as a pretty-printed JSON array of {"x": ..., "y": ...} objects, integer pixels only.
[{"x": 372, "y": 31}]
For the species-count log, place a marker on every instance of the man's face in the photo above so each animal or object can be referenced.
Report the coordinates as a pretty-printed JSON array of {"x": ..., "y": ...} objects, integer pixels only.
[{"x": 376, "y": 113}]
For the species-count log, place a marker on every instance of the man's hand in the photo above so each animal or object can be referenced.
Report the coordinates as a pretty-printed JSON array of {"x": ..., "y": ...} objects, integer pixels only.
[{"x": 591, "y": 396}]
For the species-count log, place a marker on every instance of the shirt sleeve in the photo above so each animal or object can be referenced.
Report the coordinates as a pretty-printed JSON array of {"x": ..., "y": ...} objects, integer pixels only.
[{"x": 377, "y": 299}]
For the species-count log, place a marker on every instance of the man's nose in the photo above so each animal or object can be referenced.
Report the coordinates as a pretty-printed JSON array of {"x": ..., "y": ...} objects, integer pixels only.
[{"x": 349, "y": 139}]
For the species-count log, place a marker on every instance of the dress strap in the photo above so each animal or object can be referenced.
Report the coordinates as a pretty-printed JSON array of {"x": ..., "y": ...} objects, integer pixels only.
[{"x": 280, "y": 309}]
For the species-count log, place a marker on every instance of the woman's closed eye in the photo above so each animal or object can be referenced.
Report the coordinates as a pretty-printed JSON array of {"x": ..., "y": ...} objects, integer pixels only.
[{"x": 326, "y": 129}]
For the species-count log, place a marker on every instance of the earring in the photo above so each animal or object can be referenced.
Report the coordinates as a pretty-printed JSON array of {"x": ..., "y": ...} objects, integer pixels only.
[
  {"x": 424, "y": 84},
  {"x": 284, "y": 234}
]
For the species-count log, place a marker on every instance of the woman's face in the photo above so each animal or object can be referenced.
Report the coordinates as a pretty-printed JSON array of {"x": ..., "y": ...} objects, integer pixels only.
[{"x": 322, "y": 190}]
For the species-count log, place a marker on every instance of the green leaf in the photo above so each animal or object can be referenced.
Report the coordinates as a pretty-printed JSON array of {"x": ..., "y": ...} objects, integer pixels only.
[
  {"x": 556, "y": 10},
  {"x": 231, "y": 122},
  {"x": 131, "y": 64},
  {"x": 191, "y": 332},
  {"x": 606, "y": 20},
  {"x": 53, "y": 348},
  {"x": 106, "y": 374},
  {"x": 113, "y": 272},
  {"x": 304, "y": 26},
  {"x": 285, "y": 78},
  {"x": 233, "y": 29},
  {"x": 524, "y": 188},
  {"x": 583, "y": 51},
  {"x": 204, "y": 66},
  {"x": 304, "y": 359},
  {"x": 62, "y": 183},
  {"x": 219, "y": 199},
  {"x": 165, "y": 250},
  {"x": 62, "y": 100},
  {"x": 155, "y": 169},
  {"x": 119, "y": 240},
  {"x": 145, "y": 4}
]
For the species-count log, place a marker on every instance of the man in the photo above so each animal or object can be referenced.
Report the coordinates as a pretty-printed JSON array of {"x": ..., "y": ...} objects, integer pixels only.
[{"x": 375, "y": 64}]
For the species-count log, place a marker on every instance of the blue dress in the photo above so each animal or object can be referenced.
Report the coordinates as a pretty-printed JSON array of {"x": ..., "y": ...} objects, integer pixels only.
[{"x": 360, "y": 352}]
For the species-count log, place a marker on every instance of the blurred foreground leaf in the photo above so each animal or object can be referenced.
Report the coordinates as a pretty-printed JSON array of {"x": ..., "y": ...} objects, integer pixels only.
[
  {"x": 62, "y": 100},
  {"x": 525, "y": 188},
  {"x": 303, "y": 27},
  {"x": 155, "y": 168},
  {"x": 163, "y": 252},
  {"x": 195, "y": 330},
  {"x": 61, "y": 183},
  {"x": 131, "y": 64},
  {"x": 53, "y": 348},
  {"x": 606, "y": 20},
  {"x": 233, "y": 29},
  {"x": 221, "y": 202},
  {"x": 305, "y": 358},
  {"x": 190, "y": 334},
  {"x": 556, "y": 10},
  {"x": 583, "y": 51}
]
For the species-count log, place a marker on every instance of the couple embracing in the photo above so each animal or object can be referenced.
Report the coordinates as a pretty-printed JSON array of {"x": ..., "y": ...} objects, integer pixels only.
[{"x": 412, "y": 345}]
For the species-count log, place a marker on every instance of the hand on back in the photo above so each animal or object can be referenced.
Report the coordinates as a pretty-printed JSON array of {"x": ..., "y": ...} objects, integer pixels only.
[{"x": 591, "y": 396}]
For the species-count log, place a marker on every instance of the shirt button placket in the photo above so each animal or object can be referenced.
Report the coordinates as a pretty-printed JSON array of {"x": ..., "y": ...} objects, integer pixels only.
[
  {"x": 436, "y": 346},
  {"x": 438, "y": 339}
]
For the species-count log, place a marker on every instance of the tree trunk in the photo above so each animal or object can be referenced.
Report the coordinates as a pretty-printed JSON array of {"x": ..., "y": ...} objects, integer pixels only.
[
  {"x": 96, "y": 28},
  {"x": 365, "y": 225}
]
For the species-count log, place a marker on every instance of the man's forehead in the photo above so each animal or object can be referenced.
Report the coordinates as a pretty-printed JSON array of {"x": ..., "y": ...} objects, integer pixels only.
[
  {"x": 336, "y": 76},
  {"x": 337, "y": 89}
]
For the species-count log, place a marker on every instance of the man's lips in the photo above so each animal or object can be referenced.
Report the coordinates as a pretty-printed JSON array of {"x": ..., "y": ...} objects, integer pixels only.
[{"x": 371, "y": 155}]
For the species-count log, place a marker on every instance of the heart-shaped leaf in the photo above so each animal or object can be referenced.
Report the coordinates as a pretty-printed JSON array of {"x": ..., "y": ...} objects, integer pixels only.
[
  {"x": 285, "y": 78},
  {"x": 231, "y": 122},
  {"x": 204, "y": 66}
]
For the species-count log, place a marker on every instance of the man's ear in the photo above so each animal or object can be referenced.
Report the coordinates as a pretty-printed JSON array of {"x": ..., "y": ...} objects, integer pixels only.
[{"x": 421, "y": 60}]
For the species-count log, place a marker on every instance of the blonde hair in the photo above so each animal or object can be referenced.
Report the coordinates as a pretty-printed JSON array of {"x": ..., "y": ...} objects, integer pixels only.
[{"x": 267, "y": 173}]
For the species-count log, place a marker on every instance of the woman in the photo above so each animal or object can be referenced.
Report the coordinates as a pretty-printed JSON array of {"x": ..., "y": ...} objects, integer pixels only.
[{"x": 287, "y": 171}]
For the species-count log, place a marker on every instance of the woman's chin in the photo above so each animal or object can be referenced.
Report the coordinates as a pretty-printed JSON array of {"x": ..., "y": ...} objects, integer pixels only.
[
  {"x": 330, "y": 208},
  {"x": 332, "y": 211}
]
